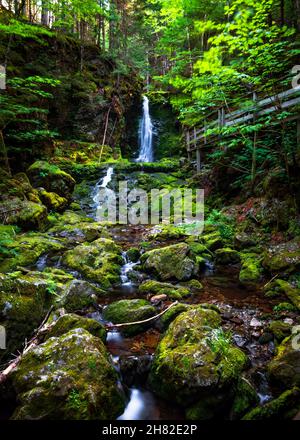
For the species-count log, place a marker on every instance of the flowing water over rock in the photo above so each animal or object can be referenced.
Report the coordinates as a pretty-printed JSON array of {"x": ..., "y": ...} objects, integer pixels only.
[
  {"x": 146, "y": 135},
  {"x": 102, "y": 184}
]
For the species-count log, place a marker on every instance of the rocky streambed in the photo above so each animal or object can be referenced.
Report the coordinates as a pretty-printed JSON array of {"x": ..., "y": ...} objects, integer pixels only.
[{"x": 223, "y": 349}]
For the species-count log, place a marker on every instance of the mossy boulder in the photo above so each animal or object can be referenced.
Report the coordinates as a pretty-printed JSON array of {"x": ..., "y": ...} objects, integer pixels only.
[
  {"x": 24, "y": 302},
  {"x": 98, "y": 261},
  {"x": 171, "y": 262},
  {"x": 251, "y": 271},
  {"x": 68, "y": 378},
  {"x": 280, "y": 330},
  {"x": 156, "y": 288},
  {"x": 292, "y": 292},
  {"x": 51, "y": 178},
  {"x": 133, "y": 255},
  {"x": 245, "y": 398},
  {"x": 25, "y": 250},
  {"x": 284, "y": 407},
  {"x": 284, "y": 369},
  {"x": 213, "y": 241},
  {"x": 79, "y": 296},
  {"x": 283, "y": 258},
  {"x": 68, "y": 322},
  {"x": 53, "y": 201},
  {"x": 127, "y": 310},
  {"x": 191, "y": 363},
  {"x": 226, "y": 256},
  {"x": 25, "y": 214}
]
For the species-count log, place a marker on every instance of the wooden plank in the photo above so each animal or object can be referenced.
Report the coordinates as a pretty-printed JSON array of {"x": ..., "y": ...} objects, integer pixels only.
[{"x": 198, "y": 156}]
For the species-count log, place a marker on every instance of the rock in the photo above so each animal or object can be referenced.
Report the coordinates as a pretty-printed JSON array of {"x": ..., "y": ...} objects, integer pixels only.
[
  {"x": 251, "y": 271},
  {"x": 213, "y": 241},
  {"x": 280, "y": 330},
  {"x": 68, "y": 322},
  {"x": 195, "y": 364},
  {"x": 227, "y": 256},
  {"x": 172, "y": 292},
  {"x": 127, "y": 310},
  {"x": 134, "y": 370},
  {"x": 25, "y": 214},
  {"x": 24, "y": 302},
  {"x": 25, "y": 250},
  {"x": 79, "y": 296},
  {"x": 244, "y": 240},
  {"x": 52, "y": 178},
  {"x": 98, "y": 261},
  {"x": 245, "y": 398},
  {"x": 171, "y": 262},
  {"x": 283, "y": 258},
  {"x": 67, "y": 378},
  {"x": 284, "y": 369},
  {"x": 133, "y": 255},
  {"x": 292, "y": 293},
  {"x": 158, "y": 299},
  {"x": 256, "y": 323},
  {"x": 193, "y": 285},
  {"x": 285, "y": 406},
  {"x": 266, "y": 338},
  {"x": 53, "y": 201}
]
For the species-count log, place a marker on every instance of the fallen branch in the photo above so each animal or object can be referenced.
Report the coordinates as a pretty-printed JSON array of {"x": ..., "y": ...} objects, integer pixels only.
[
  {"x": 153, "y": 318},
  {"x": 44, "y": 327},
  {"x": 269, "y": 282}
]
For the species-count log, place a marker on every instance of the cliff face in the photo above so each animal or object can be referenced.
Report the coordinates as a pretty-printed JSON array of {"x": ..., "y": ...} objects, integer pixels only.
[{"x": 93, "y": 97}]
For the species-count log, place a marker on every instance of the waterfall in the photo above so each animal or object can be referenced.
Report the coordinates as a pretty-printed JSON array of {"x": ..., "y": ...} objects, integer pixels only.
[
  {"x": 103, "y": 183},
  {"x": 146, "y": 134}
]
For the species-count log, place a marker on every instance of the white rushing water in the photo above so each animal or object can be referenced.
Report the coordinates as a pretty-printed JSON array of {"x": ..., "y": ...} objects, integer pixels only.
[
  {"x": 141, "y": 406},
  {"x": 126, "y": 269},
  {"x": 103, "y": 183},
  {"x": 146, "y": 134}
]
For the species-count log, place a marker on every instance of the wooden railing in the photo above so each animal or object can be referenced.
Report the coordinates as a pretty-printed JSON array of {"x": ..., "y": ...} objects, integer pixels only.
[{"x": 211, "y": 129}]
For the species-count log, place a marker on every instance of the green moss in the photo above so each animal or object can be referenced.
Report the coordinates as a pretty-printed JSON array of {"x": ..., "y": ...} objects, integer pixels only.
[
  {"x": 280, "y": 330},
  {"x": 168, "y": 317},
  {"x": 99, "y": 261},
  {"x": 69, "y": 322},
  {"x": 278, "y": 408},
  {"x": 251, "y": 271},
  {"x": 245, "y": 398},
  {"x": 53, "y": 201},
  {"x": 227, "y": 256},
  {"x": 55, "y": 380},
  {"x": 292, "y": 293},
  {"x": 172, "y": 262},
  {"x": 284, "y": 307},
  {"x": 155, "y": 287},
  {"x": 134, "y": 255}
]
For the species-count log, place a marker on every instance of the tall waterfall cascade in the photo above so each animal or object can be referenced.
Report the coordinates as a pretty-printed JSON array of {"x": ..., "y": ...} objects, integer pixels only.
[{"x": 146, "y": 134}]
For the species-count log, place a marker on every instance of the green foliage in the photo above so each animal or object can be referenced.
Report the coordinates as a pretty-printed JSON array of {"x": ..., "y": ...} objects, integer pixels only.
[
  {"x": 220, "y": 341},
  {"x": 223, "y": 223}
]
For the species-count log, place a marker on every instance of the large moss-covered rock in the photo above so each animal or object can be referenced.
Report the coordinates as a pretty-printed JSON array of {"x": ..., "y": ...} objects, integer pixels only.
[
  {"x": 286, "y": 406},
  {"x": 98, "y": 261},
  {"x": 171, "y": 262},
  {"x": 24, "y": 213},
  {"x": 167, "y": 318},
  {"x": 292, "y": 292},
  {"x": 80, "y": 295},
  {"x": 280, "y": 330},
  {"x": 251, "y": 271},
  {"x": 227, "y": 256},
  {"x": 284, "y": 369},
  {"x": 51, "y": 178},
  {"x": 283, "y": 257},
  {"x": 126, "y": 311},
  {"x": 69, "y": 377},
  {"x": 195, "y": 362},
  {"x": 24, "y": 302},
  {"x": 25, "y": 250},
  {"x": 68, "y": 322},
  {"x": 53, "y": 201},
  {"x": 156, "y": 288}
]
